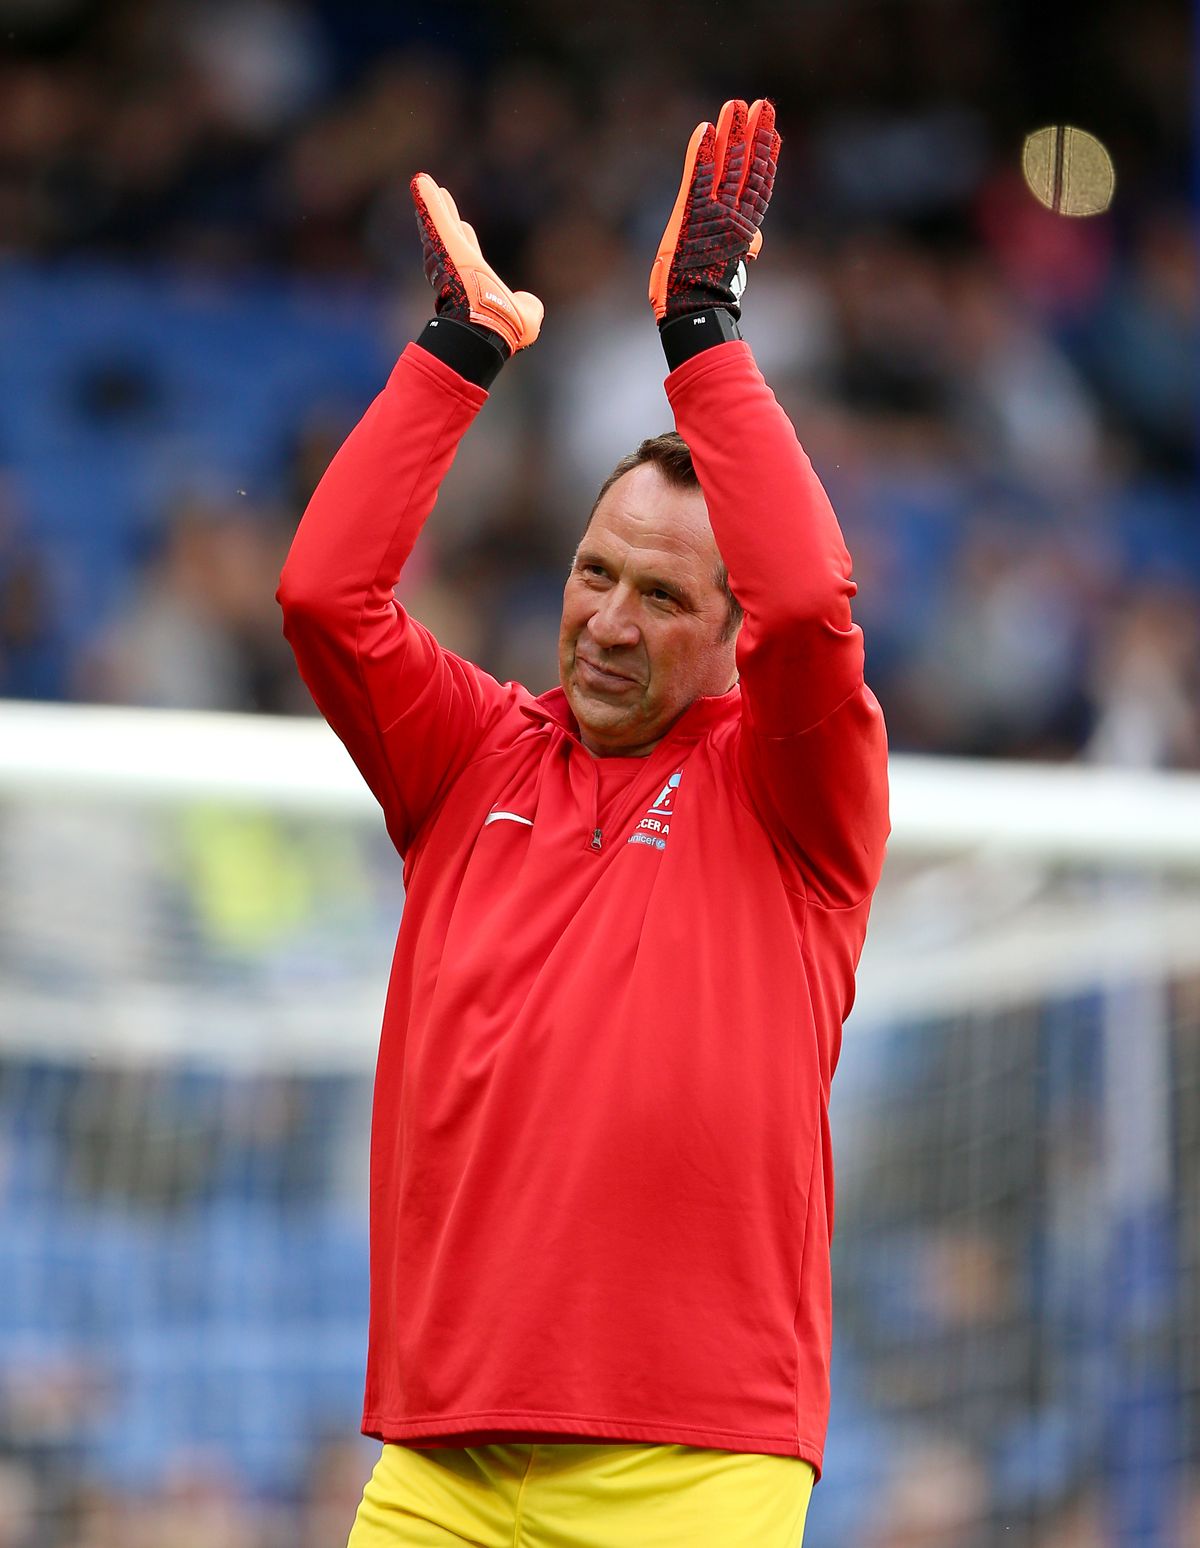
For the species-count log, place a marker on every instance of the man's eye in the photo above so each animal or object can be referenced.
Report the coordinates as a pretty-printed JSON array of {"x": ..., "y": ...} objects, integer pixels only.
[{"x": 660, "y": 595}]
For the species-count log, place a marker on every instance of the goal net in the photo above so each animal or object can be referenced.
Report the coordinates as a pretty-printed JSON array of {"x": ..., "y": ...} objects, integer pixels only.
[{"x": 196, "y": 922}]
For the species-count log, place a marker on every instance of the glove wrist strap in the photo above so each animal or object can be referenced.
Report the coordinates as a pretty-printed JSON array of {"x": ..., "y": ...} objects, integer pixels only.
[
  {"x": 684, "y": 337},
  {"x": 464, "y": 348}
]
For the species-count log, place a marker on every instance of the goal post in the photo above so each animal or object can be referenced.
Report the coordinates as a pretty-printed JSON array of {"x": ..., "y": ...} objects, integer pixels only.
[
  {"x": 939, "y": 805},
  {"x": 197, "y": 914}
]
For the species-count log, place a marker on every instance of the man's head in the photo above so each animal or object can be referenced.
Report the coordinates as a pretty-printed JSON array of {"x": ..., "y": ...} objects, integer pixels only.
[{"x": 649, "y": 623}]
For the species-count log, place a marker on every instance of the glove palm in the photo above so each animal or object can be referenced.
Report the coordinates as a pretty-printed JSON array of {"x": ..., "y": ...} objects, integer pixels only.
[{"x": 728, "y": 175}]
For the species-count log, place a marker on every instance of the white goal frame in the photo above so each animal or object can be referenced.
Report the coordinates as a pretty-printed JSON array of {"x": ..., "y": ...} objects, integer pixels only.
[
  {"x": 940, "y": 806},
  {"x": 984, "y": 830}
]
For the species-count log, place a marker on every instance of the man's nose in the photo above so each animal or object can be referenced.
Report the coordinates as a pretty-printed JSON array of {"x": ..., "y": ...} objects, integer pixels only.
[{"x": 613, "y": 624}]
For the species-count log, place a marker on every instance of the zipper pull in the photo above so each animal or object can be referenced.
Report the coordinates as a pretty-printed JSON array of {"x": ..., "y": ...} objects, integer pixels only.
[{"x": 597, "y": 838}]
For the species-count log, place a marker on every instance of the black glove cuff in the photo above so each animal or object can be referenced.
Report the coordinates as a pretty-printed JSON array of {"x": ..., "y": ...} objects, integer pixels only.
[
  {"x": 687, "y": 336},
  {"x": 464, "y": 348}
]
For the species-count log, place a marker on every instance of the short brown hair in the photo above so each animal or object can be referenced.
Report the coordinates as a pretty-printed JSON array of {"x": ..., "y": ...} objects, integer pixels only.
[{"x": 672, "y": 456}]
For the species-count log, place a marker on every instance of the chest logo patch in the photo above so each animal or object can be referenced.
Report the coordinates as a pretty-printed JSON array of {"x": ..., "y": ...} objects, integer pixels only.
[{"x": 655, "y": 827}]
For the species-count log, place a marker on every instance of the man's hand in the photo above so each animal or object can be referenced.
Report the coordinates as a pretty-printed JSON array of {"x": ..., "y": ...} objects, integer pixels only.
[
  {"x": 728, "y": 175},
  {"x": 468, "y": 288}
]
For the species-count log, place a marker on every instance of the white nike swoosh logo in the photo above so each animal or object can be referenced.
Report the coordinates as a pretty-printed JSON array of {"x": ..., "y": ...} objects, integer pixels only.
[{"x": 507, "y": 817}]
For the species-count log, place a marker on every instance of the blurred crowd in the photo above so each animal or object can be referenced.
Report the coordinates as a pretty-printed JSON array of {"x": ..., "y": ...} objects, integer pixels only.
[
  {"x": 201, "y": 1504},
  {"x": 1000, "y": 400}
]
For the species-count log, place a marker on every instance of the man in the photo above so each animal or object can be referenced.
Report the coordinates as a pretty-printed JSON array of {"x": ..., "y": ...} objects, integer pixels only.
[{"x": 601, "y": 1192}]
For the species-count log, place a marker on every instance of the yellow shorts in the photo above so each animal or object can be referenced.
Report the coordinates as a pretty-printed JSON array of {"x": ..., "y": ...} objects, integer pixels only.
[{"x": 586, "y": 1496}]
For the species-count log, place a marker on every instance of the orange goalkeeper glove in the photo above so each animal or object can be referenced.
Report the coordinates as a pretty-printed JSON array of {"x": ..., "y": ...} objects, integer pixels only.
[
  {"x": 468, "y": 288},
  {"x": 728, "y": 175}
]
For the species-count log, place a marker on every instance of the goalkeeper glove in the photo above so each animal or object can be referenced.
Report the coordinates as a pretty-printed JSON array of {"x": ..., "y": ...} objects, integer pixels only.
[
  {"x": 469, "y": 291},
  {"x": 728, "y": 175}
]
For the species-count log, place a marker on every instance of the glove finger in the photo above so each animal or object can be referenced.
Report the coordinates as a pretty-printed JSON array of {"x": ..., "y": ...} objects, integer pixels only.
[
  {"x": 452, "y": 255},
  {"x": 460, "y": 237},
  {"x": 696, "y": 183},
  {"x": 762, "y": 158},
  {"x": 730, "y": 152},
  {"x": 431, "y": 202},
  {"x": 427, "y": 193},
  {"x": 461, "y": 243},
  {"x": 697, "y": 164},
  {"x": 439, "y": 269},
  {"x": 419, "y": 185},
  {"x": 419, "y": 188}
]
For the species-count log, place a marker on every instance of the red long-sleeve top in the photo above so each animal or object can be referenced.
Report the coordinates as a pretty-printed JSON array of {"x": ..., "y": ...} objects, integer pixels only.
[{"x": 601, "y": 1176}]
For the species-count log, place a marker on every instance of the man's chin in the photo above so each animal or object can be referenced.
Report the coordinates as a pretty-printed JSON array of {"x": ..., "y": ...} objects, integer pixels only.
[
  {"x": 598, "y": 710},
  {"x": 602, "y": 719}
]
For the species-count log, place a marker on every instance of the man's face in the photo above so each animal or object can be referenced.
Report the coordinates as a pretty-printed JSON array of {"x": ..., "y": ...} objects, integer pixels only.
[{"x": 643, "y": 616}]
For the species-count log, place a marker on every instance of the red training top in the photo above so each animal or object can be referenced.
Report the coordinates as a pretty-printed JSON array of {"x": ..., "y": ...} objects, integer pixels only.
[{"x": 601, "y": 1178}]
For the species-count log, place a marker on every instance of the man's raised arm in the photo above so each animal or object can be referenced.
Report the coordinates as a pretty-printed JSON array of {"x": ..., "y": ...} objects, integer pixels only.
[
  {"x": 409, "y": 712},
  {"x": 813, "y": 748}
]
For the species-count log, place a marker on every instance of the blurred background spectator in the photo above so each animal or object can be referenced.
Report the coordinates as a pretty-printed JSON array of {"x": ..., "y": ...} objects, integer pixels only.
[{"x": 208, "y": 262}]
